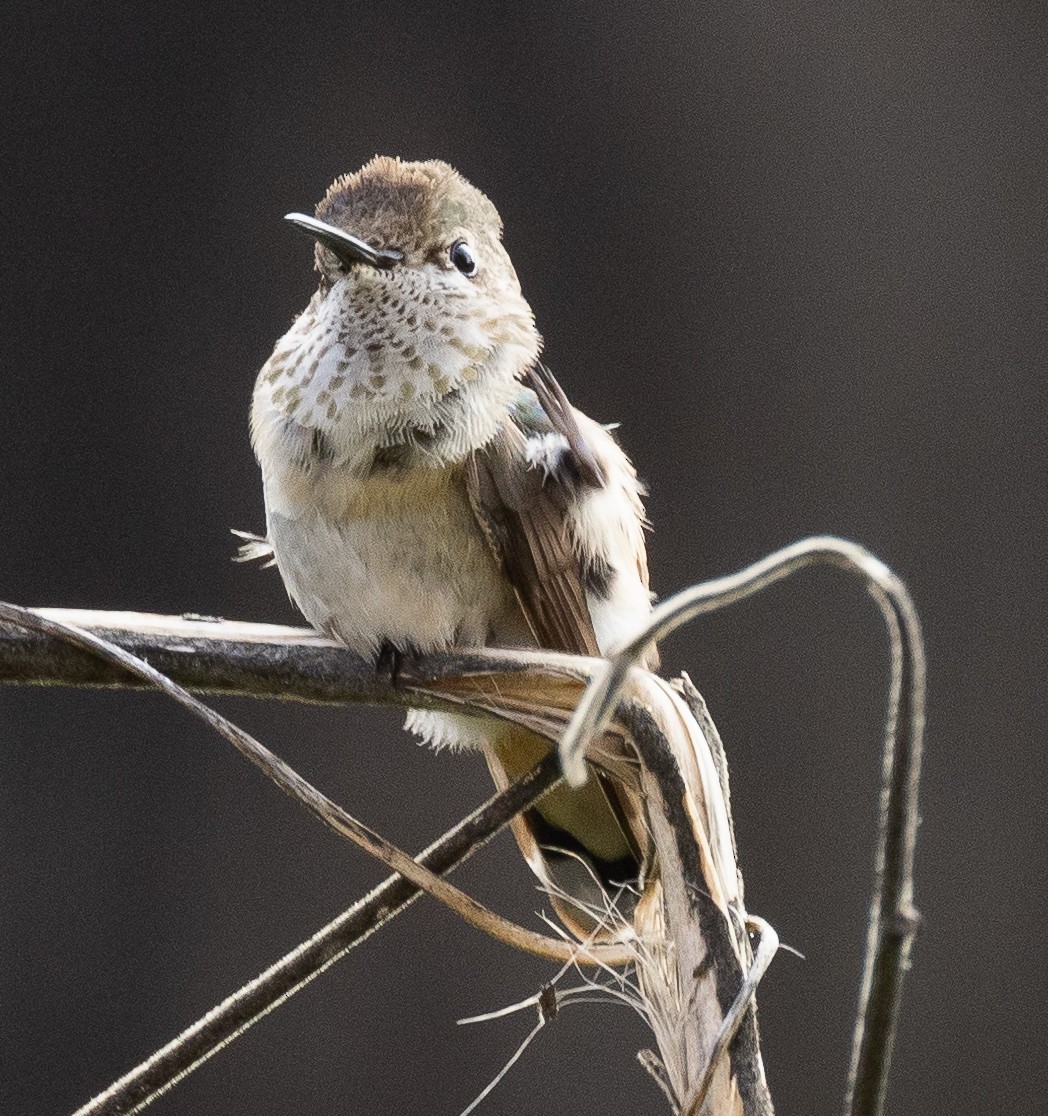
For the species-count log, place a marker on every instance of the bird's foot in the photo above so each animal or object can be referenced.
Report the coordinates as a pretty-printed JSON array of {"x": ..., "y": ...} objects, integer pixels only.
[{"x": 391, "y": 661}]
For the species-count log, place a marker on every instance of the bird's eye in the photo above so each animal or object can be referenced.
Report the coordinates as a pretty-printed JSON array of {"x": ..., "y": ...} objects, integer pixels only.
[{"x": 462, "y": 257}]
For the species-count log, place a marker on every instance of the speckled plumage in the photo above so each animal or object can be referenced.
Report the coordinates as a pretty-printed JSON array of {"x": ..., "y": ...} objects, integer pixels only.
[{"x": 416, "y": 355}]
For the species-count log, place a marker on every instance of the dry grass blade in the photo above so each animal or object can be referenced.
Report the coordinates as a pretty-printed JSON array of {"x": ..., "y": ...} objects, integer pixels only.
[
  {"x": 229, "y": 1019},
  {"x": 332, "y": 815}
]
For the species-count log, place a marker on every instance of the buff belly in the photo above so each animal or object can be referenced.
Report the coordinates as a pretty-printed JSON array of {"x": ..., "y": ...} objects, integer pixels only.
[{"x": 391, "y": 561}]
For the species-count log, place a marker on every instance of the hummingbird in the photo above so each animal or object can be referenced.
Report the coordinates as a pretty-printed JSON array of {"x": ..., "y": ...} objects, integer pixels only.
[{"x": 428, "y": 485}]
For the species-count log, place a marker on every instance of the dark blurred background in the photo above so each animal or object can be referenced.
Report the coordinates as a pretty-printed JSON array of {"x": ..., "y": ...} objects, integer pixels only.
[{"x": 799, "y": 250}]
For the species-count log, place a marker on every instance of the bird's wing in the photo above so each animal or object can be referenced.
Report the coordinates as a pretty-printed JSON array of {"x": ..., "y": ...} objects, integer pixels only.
[
  {"x": 560, "y": 506},
  {"x": 522, "y": 488}
]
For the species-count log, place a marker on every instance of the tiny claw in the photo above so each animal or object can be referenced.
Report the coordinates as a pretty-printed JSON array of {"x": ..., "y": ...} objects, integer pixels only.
[
  {"x": 391, "y": 660},
  {"x": 388, "y": 662}
]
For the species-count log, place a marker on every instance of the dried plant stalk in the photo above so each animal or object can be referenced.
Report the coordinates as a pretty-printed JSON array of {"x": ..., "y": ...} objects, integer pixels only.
[
  {"x": 695, "y": 972},
  {"x": 545, "y": 702}
]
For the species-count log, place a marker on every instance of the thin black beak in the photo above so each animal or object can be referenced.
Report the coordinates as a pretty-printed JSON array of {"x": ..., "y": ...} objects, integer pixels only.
[{"x": 348, "y": 249}]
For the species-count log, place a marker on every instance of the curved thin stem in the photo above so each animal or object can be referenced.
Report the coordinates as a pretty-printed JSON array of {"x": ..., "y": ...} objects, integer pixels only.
[
  {"x": 597, "y": 707},
  {"x": 291, "y": 783},
  {"x": 245, "y": 1007}
]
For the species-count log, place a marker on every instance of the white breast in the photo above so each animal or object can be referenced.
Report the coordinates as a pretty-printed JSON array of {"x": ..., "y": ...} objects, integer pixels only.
[{"x": 395, "y": 557}]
